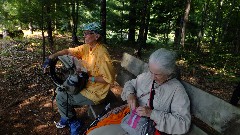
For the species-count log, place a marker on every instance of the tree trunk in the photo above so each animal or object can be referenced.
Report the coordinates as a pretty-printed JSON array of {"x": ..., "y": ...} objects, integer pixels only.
[
  {"x": 219, "y": 16},
  {"x": 226, "y": 28},
  {"x": 103, "y": 19},
  {"x": 168, "y": 31},
  {"x": 203, "y": 21},
  {"x": 236, "y": 40},
  {"x": 147, "y": 20},
  {"x": 141, "y": 41},
  {"x": 43, "y": 37},
  {"x": 122, "y": 21},
  {"x": 74, "y": 15},
  {"x": 49, "y": 27},
  {"x": 215, "y": 24},
  {"x": 185, "y": 20},
  {"x": 55, "y": 19},
  {"x": 132, "y": 21},
  {"x": 177, "y": 35},
  {"x": 30, "y": 27}
]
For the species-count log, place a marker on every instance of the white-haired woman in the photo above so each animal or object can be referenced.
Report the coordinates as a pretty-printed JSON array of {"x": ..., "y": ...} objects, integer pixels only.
[{"x": 169, "y": 106}]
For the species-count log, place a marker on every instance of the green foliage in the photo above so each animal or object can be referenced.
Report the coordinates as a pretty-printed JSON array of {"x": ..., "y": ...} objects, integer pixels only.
[{"x": 212, "y": 31}]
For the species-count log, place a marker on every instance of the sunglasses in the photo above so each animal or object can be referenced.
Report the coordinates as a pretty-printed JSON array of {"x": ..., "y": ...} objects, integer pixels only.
[{"x": 88, "y": 33}]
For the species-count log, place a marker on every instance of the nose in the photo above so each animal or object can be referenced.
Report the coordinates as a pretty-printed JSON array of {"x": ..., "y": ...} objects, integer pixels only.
[{"x": 154, "y": 76}]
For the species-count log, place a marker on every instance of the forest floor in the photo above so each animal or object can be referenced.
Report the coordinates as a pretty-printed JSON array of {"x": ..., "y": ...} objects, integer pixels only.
[{"x": 25, "y": 101}]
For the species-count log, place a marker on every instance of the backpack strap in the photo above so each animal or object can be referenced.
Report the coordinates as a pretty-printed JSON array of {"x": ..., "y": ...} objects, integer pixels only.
[{"x": 152, "y": 93}]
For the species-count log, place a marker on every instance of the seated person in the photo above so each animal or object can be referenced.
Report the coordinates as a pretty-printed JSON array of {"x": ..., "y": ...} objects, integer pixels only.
[
  {"x": 171, "y": 105},
  {"x": 236, "y": 95},
  {"x": 96, "y": 60}
]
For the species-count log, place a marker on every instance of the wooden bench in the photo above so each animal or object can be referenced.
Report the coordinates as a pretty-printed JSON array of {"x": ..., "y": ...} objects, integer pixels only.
[{"x": 211, "y": 114}]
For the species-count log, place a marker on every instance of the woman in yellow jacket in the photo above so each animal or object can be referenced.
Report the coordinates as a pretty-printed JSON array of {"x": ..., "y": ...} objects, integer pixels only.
[{"x": 95, "y": 58}]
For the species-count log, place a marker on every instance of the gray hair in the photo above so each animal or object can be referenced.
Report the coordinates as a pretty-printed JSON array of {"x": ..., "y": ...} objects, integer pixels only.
[{"x": 165, "y": 60}]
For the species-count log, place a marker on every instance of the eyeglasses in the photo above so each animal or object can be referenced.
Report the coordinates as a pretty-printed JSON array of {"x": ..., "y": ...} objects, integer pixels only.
[
  {"x": 154, "y": 73},
  {"x": 88, "y": 33}
]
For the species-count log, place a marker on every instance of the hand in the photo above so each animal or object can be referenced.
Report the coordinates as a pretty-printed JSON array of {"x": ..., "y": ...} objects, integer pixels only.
[
  {"x": 51, "y": 56},
  {"x": 144, "y": 111},
  {"x": 132, "y": 101},
  {"x": 45, "y": 65},
  {"x": 78, "y": 69}
]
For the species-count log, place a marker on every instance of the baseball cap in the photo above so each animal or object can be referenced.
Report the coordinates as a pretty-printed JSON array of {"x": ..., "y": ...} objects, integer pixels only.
[{"x": 94, "y": 26}]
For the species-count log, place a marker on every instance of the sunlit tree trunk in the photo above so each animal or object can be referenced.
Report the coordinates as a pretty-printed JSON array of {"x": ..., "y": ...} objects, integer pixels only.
[
  {"x": 103, "y": 19},
  {"x": 185, "y": 20},
  {"x": 30, "y": 26},
  {"x": 132, "y": 21}
]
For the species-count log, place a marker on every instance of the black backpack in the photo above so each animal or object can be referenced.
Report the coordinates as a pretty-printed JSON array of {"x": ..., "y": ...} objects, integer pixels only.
[{"x": 75, "y": 82}]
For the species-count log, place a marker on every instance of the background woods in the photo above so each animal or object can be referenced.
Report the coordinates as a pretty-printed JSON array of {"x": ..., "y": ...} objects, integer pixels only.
[
  {"x": 204, "y": 32},
  {"x": 198, "y": 24}
]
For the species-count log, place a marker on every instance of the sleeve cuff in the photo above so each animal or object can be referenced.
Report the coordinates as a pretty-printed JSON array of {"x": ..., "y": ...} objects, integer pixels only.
[
  {"x": 129, "y": 92},
  {"x": 155, "y": 115}
]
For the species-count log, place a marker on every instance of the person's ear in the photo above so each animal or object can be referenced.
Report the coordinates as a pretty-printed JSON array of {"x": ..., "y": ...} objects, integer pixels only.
[{"x": 97, "y": 36}]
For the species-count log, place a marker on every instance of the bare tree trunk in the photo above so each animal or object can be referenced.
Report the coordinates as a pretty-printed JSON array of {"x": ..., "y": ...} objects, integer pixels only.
[
  {"x": 103, "y": 19},
  {"x": 122, "y": 19},
  {"x": 168, "y": 31},
  {"x": 74, "y": 15},
  {"x": 147, "y": 19},
  {"x": 43, "y": 37},
  {"x": 185, "y": 20},
  {"x": 143, "y": 22},
  {"x": 55, "y": 19},
  {"x": 132, "y": 21},
  {"x": 30, "y": 27},
  {"x": 219, "y": 16},
  {"x": 177, "y": 35},
  {"x": 49, "y": 27},
  {"x": 216, "y": 24},
  {"x": 141, "y": 40},
  {"x": 225, "y": 27},
  {"x": 203, "y": 21},
  {"x": 236, "y": 41}
]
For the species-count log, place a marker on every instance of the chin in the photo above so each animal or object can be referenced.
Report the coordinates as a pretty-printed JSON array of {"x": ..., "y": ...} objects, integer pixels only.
[{"x": 158, "y": 82}]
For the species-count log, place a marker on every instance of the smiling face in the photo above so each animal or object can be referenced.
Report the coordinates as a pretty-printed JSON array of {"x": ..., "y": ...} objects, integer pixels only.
[
  {"x": 90, "y": 37},
  {"x": 156, "y": 73}
]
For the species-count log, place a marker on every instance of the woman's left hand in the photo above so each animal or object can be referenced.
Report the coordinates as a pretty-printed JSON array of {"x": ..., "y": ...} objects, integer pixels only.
[{"x": 144, "y": 111}]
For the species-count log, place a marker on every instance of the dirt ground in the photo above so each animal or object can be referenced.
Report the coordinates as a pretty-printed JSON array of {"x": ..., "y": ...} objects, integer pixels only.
[{"x": 25, "y": 101}]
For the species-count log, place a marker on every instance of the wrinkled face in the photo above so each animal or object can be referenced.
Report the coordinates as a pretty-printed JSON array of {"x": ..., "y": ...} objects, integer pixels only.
[
  {"x": 156, "y": 74},
  {"x": 90, "y": 37}
]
